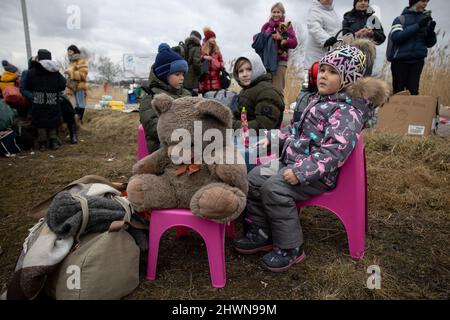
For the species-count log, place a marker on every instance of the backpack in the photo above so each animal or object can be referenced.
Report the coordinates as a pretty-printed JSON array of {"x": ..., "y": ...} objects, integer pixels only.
[
  {"x": 227, "y": 98},
  {"x": 182, "y": 49},
  {"x": 225, "y": 79},
  {"x": 391, "y": 49},
  {"x": 8, "y": 143}
]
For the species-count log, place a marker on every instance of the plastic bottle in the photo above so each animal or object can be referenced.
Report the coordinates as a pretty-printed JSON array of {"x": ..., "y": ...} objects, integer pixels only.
[{"x": 244, "y": 126}]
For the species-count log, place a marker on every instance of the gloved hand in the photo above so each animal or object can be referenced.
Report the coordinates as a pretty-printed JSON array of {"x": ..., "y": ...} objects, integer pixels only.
[
  {"x": 432, "y": 26},
  {"x": 424, "y": 22},
  {"x": 331, "y": 41}
]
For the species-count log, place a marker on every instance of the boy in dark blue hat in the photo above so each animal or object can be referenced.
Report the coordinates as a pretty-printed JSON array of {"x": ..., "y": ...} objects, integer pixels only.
[{"x": 166, "y": 76}]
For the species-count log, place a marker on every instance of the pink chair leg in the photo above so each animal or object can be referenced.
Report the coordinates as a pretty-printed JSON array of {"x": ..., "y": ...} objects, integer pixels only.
[
  {"x": 155, "y": 234},
  {"x": 355, "y": 226},
  {"x": 215, "y": 246}
]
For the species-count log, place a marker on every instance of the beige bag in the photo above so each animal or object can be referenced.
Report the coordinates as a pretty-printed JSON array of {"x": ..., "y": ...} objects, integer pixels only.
[{"x": 102, "y": 266}]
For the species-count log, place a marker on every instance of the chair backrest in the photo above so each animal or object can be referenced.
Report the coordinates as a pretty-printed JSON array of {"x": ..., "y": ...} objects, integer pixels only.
[
  {"x": 352, "y": 175},
  {"x": 142, "y": 151}
]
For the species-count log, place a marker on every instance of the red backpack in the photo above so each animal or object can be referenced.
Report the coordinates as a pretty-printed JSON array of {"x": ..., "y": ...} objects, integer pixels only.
[{"x": 14, "y": 98}]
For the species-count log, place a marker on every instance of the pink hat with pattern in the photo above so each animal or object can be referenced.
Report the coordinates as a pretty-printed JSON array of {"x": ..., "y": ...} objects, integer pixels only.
[{"x": 348, "y": 61}]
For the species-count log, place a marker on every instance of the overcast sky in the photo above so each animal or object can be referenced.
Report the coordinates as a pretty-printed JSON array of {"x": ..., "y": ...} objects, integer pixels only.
[{"x": 113, "y": 28}]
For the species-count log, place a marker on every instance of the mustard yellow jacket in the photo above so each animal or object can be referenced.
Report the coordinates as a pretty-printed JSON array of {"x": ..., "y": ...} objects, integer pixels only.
[
  {"x": 7, "y": 79},
  {"x": 78, "y": 71}
]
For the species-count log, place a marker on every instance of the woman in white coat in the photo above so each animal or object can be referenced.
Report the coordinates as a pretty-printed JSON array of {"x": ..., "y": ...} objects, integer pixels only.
[{"x": 323, "y": 25}]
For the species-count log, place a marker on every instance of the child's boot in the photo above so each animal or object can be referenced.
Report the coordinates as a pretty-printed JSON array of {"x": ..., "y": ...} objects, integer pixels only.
[
  {"x": 255, "y": 240},
  {"x": 282, "y": 259},
  {"x": 54, "y": 145},
  {"x": 42, "y": 145}
]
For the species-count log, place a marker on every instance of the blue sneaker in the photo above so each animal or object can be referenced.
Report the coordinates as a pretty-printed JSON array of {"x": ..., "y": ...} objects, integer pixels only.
[
  {"x": 255, "y": 240},
  {"x": 282, "y": 259}
]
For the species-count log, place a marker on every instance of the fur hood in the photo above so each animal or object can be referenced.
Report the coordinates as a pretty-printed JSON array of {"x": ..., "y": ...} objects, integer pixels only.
[
  {"x": 368, "y": 47},
  {"x": 374, "y": 91},
  {"x": 49, "y": 65}
]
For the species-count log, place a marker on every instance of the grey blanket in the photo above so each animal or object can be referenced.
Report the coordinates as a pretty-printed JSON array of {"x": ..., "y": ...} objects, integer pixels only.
[{"x": 65, "y": 214}]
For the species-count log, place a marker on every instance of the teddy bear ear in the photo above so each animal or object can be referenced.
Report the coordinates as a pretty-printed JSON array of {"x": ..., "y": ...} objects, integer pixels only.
[
  {"x": 208, "y": 108},
  {"x": 162, "y": 103}
]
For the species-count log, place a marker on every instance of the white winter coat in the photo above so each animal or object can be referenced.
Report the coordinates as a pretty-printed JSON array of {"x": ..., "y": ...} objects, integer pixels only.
[{"x": 323, "y": 23}]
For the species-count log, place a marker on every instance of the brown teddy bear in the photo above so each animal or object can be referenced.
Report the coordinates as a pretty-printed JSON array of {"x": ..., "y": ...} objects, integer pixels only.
[{"x": 212, "y": 190}]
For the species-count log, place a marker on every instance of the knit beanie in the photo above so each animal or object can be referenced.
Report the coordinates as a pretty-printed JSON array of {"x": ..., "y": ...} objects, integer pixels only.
[
  {"x": 355, "y": 2},
  {"x": 168, "y": 62},
  {"x": 349, "y": 62},
  {"x": 74, "y": 48},
  {"x": 9, "y": 67},
  {"x": 44, "y": 55},
  {"x": 196, "y": 34},
  {"x": 412, "y": 2},
  {"x": 208, "y": 34}
]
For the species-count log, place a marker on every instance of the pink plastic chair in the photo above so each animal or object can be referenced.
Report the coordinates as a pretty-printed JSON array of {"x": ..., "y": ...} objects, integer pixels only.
[
  {"x": 348, "y": 200},
  {"x": 212, "y": 233},
  {"x": 142, "y": 143}
]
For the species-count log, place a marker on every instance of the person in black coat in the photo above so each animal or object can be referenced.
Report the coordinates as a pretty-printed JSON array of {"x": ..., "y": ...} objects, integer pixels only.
[
  {"x": 362, "y": 21},
  {"x": 46, "y": 83}
]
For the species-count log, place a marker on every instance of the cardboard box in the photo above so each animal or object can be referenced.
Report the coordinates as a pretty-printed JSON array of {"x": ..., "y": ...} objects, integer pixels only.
[{"x": 413, "y": 115}]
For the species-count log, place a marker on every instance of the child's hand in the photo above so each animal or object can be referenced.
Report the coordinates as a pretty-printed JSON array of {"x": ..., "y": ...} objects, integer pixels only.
[
  {"x": 207, "y": 58},
  {"x": 290, "y": 177},
  {"x": 284, "y": 43},
  {"x": 264, "y": 142}
]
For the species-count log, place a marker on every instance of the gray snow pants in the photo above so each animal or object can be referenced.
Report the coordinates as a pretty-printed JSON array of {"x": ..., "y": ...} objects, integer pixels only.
[{"x": 271, "y": 203}]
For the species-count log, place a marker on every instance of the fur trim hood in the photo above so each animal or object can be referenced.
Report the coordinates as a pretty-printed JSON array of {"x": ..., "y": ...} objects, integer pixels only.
[{"x": 374, "y": 91}]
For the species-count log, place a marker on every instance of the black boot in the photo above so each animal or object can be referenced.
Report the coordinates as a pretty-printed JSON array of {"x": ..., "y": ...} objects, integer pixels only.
[
  {"x": 73, "y": 133},
  {"x": 81, "y": 113},
  {"x": 54, "y": 144},
  {"x": 42, "y": 145}
]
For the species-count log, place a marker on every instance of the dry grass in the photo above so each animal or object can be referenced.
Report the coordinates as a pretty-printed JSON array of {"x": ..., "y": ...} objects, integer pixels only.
[
  {"x": 436, "y": 72},
  {"x": 293, "y": 86},
  {"x": 409, "y": 222}
]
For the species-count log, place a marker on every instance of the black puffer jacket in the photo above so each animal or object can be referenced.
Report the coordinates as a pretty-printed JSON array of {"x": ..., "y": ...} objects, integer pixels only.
[
  {"x": 46, "y": 84},
  {"x": 357, "y": 20}
]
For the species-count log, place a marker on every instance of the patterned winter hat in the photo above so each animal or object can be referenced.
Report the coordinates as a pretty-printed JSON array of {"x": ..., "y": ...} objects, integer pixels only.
[{"x": 348, "y": 61}]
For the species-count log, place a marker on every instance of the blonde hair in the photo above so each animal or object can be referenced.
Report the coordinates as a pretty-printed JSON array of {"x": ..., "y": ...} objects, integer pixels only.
[
  {"x": 279, "y": 6},
  {"x": 209, "y": 48}
]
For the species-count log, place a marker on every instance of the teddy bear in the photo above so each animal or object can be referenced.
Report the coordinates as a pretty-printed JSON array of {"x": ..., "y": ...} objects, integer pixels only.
[{"x": 214, "y": 188}]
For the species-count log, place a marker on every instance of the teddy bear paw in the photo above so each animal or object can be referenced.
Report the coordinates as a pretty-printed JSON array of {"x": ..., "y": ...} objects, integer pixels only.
[
  {"x": 218, "y": 203},
  {"x": 135, "y": 193}
]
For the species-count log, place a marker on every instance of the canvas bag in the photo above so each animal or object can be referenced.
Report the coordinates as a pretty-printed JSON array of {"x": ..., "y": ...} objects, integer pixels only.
[{"x": 102, "y": 266}]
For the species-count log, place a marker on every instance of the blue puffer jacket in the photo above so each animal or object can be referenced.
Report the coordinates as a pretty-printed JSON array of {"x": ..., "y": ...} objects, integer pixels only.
[{"x": 411, "y": 42}]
